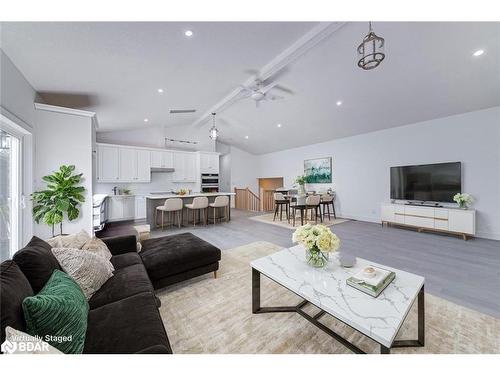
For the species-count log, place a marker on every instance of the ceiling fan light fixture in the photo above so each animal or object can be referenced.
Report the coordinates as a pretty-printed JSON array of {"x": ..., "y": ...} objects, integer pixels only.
[
  {"x": 371, "y": 50},
  {"x": 213, "y": 133}
]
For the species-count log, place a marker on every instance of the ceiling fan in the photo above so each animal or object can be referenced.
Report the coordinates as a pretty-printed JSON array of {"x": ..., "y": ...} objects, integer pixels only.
[{"x": 260, "y": 90}]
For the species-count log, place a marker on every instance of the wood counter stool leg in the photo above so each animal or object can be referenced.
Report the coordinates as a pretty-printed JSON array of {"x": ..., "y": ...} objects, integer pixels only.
[{"x": 162, "y": 213}]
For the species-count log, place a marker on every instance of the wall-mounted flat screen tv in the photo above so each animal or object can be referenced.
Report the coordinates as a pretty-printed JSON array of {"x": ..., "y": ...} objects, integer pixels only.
[{"x": 429, "y": 182}]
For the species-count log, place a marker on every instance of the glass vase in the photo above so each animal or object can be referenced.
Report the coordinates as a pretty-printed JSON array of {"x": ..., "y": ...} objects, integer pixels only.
[{"x": 316, "y": 258}]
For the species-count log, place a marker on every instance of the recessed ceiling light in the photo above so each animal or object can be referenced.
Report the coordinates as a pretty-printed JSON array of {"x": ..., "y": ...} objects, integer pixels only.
[
  {"x": 279, "y": 125},
  {"x": 160, "y": 91},
  {"x": 246, "y": 136},
  {"x": 339, "y": 103},
  {"x": 479, "y": 52},
  {"x": 146, "y": 120},
  {"x": 188, "y": 33}
]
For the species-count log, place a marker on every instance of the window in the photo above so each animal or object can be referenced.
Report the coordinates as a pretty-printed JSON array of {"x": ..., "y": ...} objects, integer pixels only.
[{"x": 10, "y": 193}]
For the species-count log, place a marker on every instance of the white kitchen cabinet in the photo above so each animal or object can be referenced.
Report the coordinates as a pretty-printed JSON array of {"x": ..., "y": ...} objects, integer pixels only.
[
  {"x": 185, "y": 167},
  {"x": 209, "y": 162},
  {"x": 162, "y": 159},
  {"x": 107, "y": 163},
  {"x": 128, "y": 164},
  {"x": 143, "y": 166},
  {"x": 190, "y": 170},
  {"x": 121, "y": 207},
  {"x": 140, "y": 207},
  {"x": 134, "y": 165}
]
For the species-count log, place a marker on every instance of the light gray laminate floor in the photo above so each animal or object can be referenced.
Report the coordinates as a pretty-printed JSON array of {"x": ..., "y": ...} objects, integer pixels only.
[{"x": 464, "y": 272}]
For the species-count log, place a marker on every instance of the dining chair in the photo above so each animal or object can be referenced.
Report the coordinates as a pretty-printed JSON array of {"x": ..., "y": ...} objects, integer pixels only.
[
  {"x": 328, "y": 200},
  {"x": 279, "y": 202},
  {"x": 313, "y": 204}
]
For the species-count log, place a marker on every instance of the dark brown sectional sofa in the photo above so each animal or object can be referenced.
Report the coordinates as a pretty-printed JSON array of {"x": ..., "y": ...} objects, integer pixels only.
[{"x": 124, "y": 316}]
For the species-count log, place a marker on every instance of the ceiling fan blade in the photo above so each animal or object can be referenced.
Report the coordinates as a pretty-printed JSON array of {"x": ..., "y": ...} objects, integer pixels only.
[
  {"x": 284, "y": 89},
  {"x": 274, "y": 97},
  {"x": 268, "y": 87}
]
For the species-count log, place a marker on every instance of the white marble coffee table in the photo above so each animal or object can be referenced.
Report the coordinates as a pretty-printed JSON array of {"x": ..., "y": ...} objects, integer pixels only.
[{"x": 377, "y": 318}]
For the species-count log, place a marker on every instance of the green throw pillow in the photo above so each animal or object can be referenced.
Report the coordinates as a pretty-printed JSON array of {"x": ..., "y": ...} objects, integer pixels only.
[{"x": 58, "y": 314}]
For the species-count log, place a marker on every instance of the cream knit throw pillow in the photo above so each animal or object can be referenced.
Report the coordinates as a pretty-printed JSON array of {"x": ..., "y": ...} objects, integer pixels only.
[
  {"x": 90, "y": 271},
  {"x": 98, "y": 247},
  {"x": 74, "y": 241}
]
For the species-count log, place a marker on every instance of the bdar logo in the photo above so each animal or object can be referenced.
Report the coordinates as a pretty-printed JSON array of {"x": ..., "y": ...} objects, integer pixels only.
[{"x": 8, "y": 347}]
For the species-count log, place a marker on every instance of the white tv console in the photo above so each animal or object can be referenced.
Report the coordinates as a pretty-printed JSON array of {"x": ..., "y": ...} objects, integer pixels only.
[{"x": 441, "y": 219}]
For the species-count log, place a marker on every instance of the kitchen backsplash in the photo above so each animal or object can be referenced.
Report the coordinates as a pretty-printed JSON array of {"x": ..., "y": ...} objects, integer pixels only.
[{"x": 159, "y": 182}]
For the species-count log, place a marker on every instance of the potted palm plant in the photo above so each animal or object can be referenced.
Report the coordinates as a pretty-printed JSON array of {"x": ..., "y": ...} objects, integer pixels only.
[{"x": 62, "y": 196}]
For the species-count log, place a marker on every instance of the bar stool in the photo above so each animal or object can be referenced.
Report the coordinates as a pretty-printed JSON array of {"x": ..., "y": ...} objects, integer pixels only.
[
  {"x": 171, "y": 206},
  {"x": 221, "y": 201},
  {"x": 327, "y": 200},
  {"x": 199, "y": 204},
  {"x": 313, "y": 204},
  {"x": 279, "y": 202}
]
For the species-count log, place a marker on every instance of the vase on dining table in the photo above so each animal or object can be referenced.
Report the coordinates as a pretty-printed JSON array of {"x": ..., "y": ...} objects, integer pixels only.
[{"x": 301, "y": 190}]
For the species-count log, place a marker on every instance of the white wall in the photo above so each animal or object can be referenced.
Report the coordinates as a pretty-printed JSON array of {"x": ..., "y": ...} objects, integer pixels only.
[
  {"x": 244, "y": 170},
  {"x": 64, "y": 139},
  {"x": 154, "y": 136},
  {"x": 16, "y": 94},
  {"x": 361, "y": 163},
  {"x": 16, "y": 103}
]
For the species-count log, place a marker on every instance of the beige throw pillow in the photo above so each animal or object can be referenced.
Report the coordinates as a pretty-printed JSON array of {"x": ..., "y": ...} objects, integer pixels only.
[
  {"x": 98, "y": 247},
  {"x": 74, "y": 241},
  {"x": 18, "y": 342},
  {"x": 90, "y": 271}
]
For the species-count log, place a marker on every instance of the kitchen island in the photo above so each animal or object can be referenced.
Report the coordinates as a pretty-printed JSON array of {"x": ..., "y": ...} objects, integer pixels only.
[{"x": 156, "y": 200}]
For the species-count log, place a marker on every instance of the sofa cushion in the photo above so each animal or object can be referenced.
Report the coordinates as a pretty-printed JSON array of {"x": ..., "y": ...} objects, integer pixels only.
[
  {"x": 170, "y": 255},
  {"x": 129, "y": 325},
  {"x": 88, "y": 269},
  {"x": 58, "y": 314},
  {"x": 37, "y": 263},
  {"x": 14, "y": 288},
  {"x": 126, "y": 282},
  {"x": 125, "y": 260}
]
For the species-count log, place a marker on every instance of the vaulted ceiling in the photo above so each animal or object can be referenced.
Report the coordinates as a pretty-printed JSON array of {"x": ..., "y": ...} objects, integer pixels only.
[{"x": 115, "y": 69}]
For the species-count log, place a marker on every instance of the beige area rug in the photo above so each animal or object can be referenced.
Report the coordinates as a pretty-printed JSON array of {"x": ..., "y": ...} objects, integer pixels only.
[
  {"x": 268, "y": 219},
  {"x": 207, "y": 315}
]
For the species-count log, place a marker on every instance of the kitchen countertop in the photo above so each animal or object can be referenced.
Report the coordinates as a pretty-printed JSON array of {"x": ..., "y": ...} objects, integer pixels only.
[{"x": 192, "y": 195}]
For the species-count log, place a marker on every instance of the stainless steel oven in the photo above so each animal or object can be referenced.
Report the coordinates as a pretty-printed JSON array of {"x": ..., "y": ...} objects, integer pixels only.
[{"x": 210, "y": 183}]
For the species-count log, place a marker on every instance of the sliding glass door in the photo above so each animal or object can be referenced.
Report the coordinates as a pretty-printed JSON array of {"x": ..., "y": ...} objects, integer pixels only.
[{"x": 10, "y": 191}]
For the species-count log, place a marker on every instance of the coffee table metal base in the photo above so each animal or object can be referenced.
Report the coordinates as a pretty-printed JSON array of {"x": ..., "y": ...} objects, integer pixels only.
[{"x": 314, "y": 319}]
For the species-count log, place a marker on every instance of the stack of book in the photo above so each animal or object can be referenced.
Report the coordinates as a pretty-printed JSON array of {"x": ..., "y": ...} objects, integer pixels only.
[{"x": 371, "y": 280}]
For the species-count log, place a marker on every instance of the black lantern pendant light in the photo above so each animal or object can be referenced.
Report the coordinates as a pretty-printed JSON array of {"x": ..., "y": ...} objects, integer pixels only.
[{"x": 371, "y": 50}]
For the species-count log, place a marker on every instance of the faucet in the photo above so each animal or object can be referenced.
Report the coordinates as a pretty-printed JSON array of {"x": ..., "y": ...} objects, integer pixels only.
[{"x": 115, "y": 189}]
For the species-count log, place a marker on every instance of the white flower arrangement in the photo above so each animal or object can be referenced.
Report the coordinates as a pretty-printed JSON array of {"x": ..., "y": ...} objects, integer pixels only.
[
  {"x": 463, "y": 199},
  {"x": 316, "y": 237}
]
